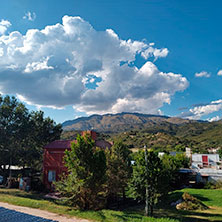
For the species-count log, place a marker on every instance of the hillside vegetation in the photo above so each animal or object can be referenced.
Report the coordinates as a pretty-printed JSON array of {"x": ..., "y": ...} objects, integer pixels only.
[{"x": 159, "y": 132}]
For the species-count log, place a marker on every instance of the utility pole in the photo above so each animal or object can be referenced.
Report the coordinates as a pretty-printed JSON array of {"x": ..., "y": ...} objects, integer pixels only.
[{"x": 147, "y": 198}]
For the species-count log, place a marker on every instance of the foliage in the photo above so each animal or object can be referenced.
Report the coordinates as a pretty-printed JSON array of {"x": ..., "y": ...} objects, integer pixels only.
[
  {"x": 170, "y": 176},
  {"x": 146, "y": 175},
  {"x": 157, "y": 132},
  {"x": 23, "y": 134},
  {"x": 190, "y": 203},
  {"x": 220, "y": 152},
  {"x": 41, "y": 131},
  {"x": 213, "y": 185},
  {"x": 118, "y": 169},
  {"x": 84, "y": 184},
  {"x": 14, "y": 119}
]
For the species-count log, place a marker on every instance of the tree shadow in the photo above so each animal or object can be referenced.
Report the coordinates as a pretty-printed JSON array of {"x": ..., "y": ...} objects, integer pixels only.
[
  {"x": 30, "y": 195},
  {"x": 127, "y": 216},
  {"x": 164, "y": 209},
  {"x": 187, "y": 216},
  {"x": 200, "y": 197}
]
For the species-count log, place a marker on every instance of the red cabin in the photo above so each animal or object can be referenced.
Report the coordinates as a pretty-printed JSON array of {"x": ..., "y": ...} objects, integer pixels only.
[{"x": 53, "y": 165}]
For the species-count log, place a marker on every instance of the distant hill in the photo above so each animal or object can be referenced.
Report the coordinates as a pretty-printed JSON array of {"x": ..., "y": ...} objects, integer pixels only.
[
  {"x": 158, "y": 132},
  {"x": 113, "y": 123}
]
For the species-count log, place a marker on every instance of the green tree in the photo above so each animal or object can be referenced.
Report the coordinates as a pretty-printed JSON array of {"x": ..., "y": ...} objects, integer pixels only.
[
  {"x": 220, "y": 152},
  {"x": 14, "y": 118},
  {"x": 118, "y": 170},
  {"x": 180, "y": 147},
  {"x": 84, "y": 185},
  {"x": 41, "y": 131},
  {"x": 170, "y": 176},
  {"x": 146, "y": 175},
  {"x": 23, "y": 134}
]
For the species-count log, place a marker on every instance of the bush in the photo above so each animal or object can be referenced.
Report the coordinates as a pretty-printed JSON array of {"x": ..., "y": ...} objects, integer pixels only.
[
  {"x": 213, "y": 185},
  {"x": 190, "y": 203},
  {"x": 209, "y": 185},
  {"x": 218, "y": 184}
]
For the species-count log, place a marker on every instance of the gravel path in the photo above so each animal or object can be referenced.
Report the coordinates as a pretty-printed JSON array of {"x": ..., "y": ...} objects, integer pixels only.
[{"x": 41, "y": 213}]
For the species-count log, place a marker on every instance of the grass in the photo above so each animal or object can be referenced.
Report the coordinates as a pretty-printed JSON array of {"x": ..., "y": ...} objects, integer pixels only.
[
  {"x": 162, "y": 213},
  {"x": 211, "y": 198},
  {"x": 21, "y": 198}
]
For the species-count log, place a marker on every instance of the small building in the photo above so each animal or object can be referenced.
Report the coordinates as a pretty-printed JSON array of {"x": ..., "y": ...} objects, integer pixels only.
[
  {"x": 207, "y": 166},
  {"x": 200, "y": 161},
  {"x": 53, "y": 165}
]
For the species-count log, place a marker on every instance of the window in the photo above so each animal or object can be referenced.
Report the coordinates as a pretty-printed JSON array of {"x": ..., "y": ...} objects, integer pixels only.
[{"x": 51, "y": 175}]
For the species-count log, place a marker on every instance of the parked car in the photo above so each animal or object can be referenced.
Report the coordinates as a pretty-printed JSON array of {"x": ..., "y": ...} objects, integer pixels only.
[{"x": 1, "y": 179}]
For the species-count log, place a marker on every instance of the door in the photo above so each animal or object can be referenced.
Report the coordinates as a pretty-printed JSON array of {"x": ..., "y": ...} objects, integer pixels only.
[{"x": 205, "y": 160}]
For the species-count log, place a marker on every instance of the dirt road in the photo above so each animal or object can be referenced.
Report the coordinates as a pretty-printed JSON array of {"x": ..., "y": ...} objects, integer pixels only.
[{"x": 42, "y": 213}]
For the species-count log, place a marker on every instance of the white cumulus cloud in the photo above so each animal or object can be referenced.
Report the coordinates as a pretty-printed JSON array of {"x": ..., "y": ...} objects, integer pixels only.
[
  {"x": 219, "y": 73},
  {"x": 52, "y": 67},
  {"x": 202, "y": 110},
  {"x": 157, "y": 53},
  {"x": 202, "y": 74},
  {"x": 31, "y": 16},
  {"x": 4, "y": 24},
  {"x": 213, "y": 119}
]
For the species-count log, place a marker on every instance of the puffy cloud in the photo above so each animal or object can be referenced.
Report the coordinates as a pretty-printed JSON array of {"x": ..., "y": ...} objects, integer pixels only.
[
  {"x": 4, "y": 24},
  {"x": 36, "y": 66},
  {"x": 73, "y": 64},
  {"x": 219, "y": 73},
  {"x": 157, "y": 53},
  {"x": 215, "y": 118},
  {"x": 203, "y": 110},
  {"x": 31, "y": 16},
  {"x": 202, "y": 74}
]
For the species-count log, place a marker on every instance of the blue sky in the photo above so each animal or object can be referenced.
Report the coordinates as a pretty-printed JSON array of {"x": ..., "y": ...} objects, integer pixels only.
[{"x": 87, "y": 65}]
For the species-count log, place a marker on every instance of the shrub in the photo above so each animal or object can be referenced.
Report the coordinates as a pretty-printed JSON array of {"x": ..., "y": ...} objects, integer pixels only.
[
  {"x": 218, "y": 184},
  {"x": 213, "y": 185},
  {"x": 190, "y": 203}
]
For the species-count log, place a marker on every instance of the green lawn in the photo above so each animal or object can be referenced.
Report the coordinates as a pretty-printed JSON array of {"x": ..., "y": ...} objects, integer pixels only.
[
  {"x": 212, "y": 198},
  {"x": 207, "y": 196},
  {"x": 162, "y": 213},
  {"x": 21, "y": 198}
]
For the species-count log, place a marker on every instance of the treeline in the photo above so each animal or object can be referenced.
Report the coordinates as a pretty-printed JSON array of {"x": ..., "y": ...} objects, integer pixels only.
[
  {"x": 23, "y": 135},
  {"x": 97, "y": 178}
]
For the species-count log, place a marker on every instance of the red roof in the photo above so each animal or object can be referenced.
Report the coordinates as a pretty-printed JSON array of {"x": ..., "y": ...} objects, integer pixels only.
[{"x": 63, "y": 144}]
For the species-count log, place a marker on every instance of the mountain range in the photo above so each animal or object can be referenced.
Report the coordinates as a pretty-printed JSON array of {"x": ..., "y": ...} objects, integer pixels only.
[
  {"x": 113, "y": 123},
  {"x": 159, "y": 132}
]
